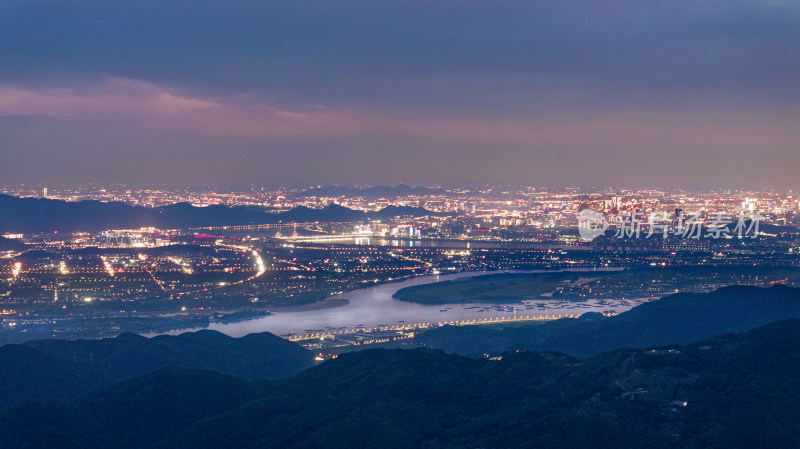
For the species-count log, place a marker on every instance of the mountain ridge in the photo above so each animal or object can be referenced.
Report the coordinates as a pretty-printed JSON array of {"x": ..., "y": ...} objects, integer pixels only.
[
  {"x": 675, "y": 319},
  {"x": 31, "y": 215},
  {"x": 711, "y": 393},
  {"x": 33, "y": 369}
]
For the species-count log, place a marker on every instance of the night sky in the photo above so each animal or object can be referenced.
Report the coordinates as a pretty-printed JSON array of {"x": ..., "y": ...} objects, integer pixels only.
[{"x": 686, "y": 93}]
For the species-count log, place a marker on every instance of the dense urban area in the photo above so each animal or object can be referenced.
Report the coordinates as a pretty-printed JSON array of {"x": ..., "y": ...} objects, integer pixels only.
[{"x": 305, "y": 246}]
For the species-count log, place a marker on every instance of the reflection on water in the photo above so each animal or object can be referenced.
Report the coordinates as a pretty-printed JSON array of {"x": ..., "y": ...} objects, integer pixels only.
[
  {"x": 374, "y": 306},
  {"x": 455, "y": 244}
]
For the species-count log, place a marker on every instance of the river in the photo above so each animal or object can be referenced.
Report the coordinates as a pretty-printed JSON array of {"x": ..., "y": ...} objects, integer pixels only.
[{"x": 374, "y": 307}]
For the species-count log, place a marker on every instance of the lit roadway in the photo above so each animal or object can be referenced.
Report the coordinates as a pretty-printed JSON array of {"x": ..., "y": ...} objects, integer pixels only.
[{"x": 261, "y": 268}]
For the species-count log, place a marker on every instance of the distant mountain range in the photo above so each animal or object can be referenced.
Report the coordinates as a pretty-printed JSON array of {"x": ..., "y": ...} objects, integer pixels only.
[
  {"x": 62, "y": 369},
  {"x": 389, "y": 192},
  {"x": 335, "y": 212},
  {"x": 30, "y": 215},
  {"x": 731, "y": 391},
  {"x": 676, "y": 319}
]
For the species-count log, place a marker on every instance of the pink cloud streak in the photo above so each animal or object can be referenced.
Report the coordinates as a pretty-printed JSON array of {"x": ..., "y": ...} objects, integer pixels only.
[{"x": 158, "y": 109}]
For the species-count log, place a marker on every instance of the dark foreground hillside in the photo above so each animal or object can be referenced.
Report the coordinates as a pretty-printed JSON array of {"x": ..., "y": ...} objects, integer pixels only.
[
  {"x": 63, "y": 369},
  {"x": 676, "y": 319},
  {"x": 731, "y": 391}
]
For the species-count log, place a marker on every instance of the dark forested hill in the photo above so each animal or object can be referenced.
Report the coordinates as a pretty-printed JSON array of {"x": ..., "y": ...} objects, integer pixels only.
[
  {"x": 11, "y": 245},
  {"x": 731, "y": 391},
  {"x": 60, "y": 369},
  {"x": 28, "y": 215},
  {"x": 676, "y": 319}
]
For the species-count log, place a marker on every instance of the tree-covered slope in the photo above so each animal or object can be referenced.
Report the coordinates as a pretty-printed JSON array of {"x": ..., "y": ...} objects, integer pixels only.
[
  {"x": 676, "y": 319},
  {"x": 732, "y": 391},
  {"x": 43, "y": 370}
]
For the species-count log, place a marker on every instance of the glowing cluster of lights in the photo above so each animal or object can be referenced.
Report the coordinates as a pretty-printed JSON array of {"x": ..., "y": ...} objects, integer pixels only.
[
  {"x": 262, "y": 268},
  {"x": 107, "y": 265},
  {"x": 185, "y": 266}
]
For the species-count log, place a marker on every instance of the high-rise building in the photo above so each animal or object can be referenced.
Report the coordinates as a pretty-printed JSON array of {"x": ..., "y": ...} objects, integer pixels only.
[{"x": 44, "y": 192}]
